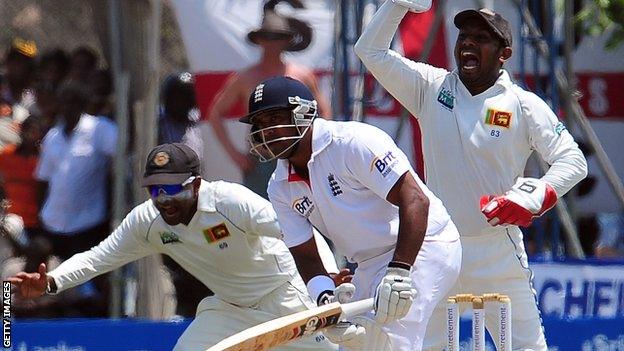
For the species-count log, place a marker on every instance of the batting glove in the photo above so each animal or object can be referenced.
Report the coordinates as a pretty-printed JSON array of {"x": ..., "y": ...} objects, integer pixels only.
[
  {"x": 529, "y": 198},
  {"x": 348, "y": 335},
  {"x": 416, "y": 6},
  {"x": 395, "y": 293},
  {"x": 343, "y": 293}
]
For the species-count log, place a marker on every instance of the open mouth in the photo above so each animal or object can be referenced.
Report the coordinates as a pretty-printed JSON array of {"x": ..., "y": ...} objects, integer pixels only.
[
  {"x": 170, "y": 212},
  {"x": 469, "y": 61}
]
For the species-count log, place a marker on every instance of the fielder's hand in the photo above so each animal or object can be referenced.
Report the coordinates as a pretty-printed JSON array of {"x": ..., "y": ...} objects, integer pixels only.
[
  {"x": 529, "y": 198},
  {"x": 416, "y": 6},
  {"x": 394, "y": 295},
  {"x": 31, "y": 285}
]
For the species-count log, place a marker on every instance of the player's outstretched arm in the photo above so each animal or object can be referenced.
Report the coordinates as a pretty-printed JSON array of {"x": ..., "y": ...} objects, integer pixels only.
[
  {"x": 32, "y": 285},
  {"x": 416, "y": 6},
  {"x": 405, "y": 79}
]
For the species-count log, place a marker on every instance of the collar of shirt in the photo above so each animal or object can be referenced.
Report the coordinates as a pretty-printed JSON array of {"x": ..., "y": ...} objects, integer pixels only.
[
  {"x": 503, "y": 81},
  {"x": 207, "y": 200},
  {"x": 321, "y": 137},
  {"x": 85, "y": 120}
]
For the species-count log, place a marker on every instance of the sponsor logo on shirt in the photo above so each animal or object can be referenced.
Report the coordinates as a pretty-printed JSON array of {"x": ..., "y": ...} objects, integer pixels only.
[
  {"x": 304, "y": 206},
  {"x": 446, "y": 98},
  {"x": 559, "y": 128},
  {"x": 169, "y": 238},
  {"x": 216, "y": 233},
  {"x": 333, "y": 185},
  {"x": 384, "y": 164},
  {"x": 498, "y": 118}
]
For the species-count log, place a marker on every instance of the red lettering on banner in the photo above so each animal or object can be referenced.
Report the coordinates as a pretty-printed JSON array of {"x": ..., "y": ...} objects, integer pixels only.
[{"x": 602, "y": 94}]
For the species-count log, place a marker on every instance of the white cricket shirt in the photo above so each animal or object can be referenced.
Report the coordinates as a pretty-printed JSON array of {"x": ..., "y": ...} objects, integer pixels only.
[
  {"x": 472, "y": 145},
  {"x": 352, "y": 169},
  {"x": 232, "y": 245}
]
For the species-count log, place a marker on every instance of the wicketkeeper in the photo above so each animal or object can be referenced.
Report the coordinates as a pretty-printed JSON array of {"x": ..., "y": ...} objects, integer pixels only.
[{"x": 479, "y": 129}]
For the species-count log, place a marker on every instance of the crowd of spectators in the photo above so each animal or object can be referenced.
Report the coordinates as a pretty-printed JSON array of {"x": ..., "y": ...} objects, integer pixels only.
[
  {"x": 57, "y": 136},
  {"x": 57, "y": 139}
]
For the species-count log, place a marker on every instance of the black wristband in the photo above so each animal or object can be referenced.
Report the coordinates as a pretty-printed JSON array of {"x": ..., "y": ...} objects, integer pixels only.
[
  {"x": 398, "y": 264},
  {"x": 49, "y": 290},
  {"x": 324, "y": 298}
]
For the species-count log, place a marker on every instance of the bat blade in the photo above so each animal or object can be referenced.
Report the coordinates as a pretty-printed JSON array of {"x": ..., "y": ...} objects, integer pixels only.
[{"x": 291, "y": 327}]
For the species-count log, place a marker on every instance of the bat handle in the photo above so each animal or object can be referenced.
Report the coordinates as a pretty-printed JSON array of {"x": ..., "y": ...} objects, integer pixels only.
[{"x": 358, "y": 307}]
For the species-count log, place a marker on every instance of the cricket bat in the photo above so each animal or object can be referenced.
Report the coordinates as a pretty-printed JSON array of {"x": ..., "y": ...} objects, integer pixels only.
[{"x": 291, "y": 327}]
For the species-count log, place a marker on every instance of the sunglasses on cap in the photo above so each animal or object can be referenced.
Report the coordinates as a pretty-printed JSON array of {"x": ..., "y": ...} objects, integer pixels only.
[{"x": 169, "y": 189}]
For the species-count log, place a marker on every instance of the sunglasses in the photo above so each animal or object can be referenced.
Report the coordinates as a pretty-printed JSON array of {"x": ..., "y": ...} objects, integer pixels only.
[{"x": 168, "y": 189}]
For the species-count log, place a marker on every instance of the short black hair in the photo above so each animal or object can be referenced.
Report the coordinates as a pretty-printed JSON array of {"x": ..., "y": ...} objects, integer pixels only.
[
  {"x": 75, "y": 89},
  {"x": 32, "y": 121},
  {"x": 89, "y": 53},
  {"x": 55, "y": 56}
]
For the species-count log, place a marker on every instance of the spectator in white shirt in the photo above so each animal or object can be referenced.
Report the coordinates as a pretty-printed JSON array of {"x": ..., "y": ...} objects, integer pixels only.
[{"x": 75, "y": 164}]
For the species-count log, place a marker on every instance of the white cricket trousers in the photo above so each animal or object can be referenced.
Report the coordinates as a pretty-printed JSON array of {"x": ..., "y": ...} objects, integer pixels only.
[
  {"x": 495, "y": 263},
  {"x": 216, "y": 319},
  {"x": 434, "y": 273}
]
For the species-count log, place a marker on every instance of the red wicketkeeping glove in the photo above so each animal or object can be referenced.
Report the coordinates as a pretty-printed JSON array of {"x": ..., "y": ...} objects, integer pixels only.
[{"x": 529, "y": 198}]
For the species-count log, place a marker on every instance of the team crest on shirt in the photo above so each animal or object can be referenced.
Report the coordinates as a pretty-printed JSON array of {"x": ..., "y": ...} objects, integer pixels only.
[
  {"x": 216, "y": 233},
  {"x": 498, "y": 118},
  {"x": 446, "y": 98},
  {"x": 169, "y": 238},
  {"x": 333, "y": 185},
  {"x": 384, "y": 164},
  {"x": 559, "y": 128},
  {"x": 304, "y": 206}
]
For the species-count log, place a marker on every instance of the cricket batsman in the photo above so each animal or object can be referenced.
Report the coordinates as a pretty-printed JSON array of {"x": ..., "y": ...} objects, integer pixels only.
[
  {"x": 352, "y": 182},
  {"x": 479, "y": 129}
]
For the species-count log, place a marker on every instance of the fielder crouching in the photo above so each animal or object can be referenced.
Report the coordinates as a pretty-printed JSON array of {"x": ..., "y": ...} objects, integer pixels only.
[{"x": 223, "y": 234}]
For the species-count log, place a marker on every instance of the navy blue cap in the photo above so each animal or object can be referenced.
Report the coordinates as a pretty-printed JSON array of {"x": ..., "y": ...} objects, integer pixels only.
[
  {"x": 497, "y": 24},
  {"x": 273, "y": 94},
  {"x": 170, "y": 164}
]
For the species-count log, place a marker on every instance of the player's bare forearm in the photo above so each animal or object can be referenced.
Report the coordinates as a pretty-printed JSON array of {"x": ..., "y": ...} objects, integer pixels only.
[
  {"x": 413, "y": 213},
  {"x": 308, "y": 261}
]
